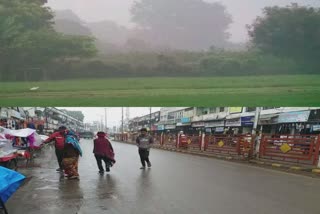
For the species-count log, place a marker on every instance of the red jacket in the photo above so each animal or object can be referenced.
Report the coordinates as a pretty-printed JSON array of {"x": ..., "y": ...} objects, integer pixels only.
[
  {"x": 103, "y": 147},
  {"x": 58, "y": 138}
]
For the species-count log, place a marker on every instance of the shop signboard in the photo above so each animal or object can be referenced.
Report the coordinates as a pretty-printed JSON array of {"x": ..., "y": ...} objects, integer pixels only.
[
  {"x": 233, "y": 122},
  {"x": 170, "y": 127},
  {"x": 185, "y": 120},
  {"x": 3, "y": 114},
  {"x": 234, "y": 110},
  {"x": 315, "y": 128},
  {"x": 208, "y": 130},
  {"x": 198, "y": 124},
  {"x": 219, "y": 129},
  {"x": 247, "y": 121},
  {"x": 183, "y": 124},
  {"x": 214, "y": 123},
  {"x": 294, "y": 117}
]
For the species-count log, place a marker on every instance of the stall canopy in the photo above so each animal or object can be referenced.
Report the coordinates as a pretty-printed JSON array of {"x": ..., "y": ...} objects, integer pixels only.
[{"x": 33, "y": 138}]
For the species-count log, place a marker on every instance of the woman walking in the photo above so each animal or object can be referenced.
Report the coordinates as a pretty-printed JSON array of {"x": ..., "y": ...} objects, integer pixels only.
[
  {"x": 103, "y": 150},
  {"x": 71, "y": 153}
]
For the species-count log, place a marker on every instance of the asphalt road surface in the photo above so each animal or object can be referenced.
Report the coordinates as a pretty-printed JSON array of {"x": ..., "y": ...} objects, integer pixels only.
[{"x": 177, "y": 183}]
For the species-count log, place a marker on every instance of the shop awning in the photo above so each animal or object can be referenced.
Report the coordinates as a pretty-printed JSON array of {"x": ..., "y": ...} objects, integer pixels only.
[
  {"x": 268, "y": 119},
  {"x": 268, "y": 116}
]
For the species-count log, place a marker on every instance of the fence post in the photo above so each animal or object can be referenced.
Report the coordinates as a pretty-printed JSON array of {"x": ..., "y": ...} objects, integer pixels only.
[
  {"x": 316, "y": 155},
  {"x": 178, "y": 142},
  {"x": 252, "y": 145},
  {"x": 239, "y": 140},
  {"x": 161, "y": 139},
  {"x": 203, "y": 141},
  {"x": 261, "y": 146}
]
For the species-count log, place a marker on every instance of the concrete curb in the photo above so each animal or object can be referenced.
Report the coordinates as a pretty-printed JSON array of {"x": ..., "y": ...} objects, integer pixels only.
[
  {"x": 230, "y": 158},
  {"x": 287, "y": 167}
]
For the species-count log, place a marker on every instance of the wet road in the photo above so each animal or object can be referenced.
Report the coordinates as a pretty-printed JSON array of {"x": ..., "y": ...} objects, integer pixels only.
[{"x": 177, "y": 183}]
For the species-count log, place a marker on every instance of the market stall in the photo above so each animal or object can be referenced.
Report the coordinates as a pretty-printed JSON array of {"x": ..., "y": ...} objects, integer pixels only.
[{"x": 16, "y": 144}]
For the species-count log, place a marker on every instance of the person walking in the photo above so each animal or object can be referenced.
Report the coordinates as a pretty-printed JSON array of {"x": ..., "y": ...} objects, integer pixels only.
[
  {"x": 71, "y": 153},
  {"x": 59, "y": 138},
  {"x": 144, "y": 142},
  {"x": 103, "y": 150}
]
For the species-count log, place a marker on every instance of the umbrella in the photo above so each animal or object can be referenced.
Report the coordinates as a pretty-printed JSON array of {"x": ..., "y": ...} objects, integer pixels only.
[{"x": 10, "y": 181}]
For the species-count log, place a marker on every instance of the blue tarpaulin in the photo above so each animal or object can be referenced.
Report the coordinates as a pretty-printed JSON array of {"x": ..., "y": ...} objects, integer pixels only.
[{"x": 10, "y": 181}]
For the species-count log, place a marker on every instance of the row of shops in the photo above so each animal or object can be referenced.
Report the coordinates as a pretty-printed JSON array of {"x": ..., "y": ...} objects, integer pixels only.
[
  {"x": 44, "y": 120},
  {"x": 278, "y": 122}
]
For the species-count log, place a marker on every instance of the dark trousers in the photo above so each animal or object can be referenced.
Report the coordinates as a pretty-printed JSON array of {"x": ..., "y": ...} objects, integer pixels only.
[
  {"x": 59, "y": 154},
  {"x": 106, "y": 160},
  {"x": 144, "y": 156}
]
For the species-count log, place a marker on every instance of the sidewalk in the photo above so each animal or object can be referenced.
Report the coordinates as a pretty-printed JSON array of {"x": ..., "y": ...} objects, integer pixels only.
[{"x": 261, "y": 163}]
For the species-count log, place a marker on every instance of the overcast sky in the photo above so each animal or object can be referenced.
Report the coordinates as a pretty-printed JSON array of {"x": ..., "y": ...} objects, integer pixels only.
[
  {"x": 243, "y": 11},
  {"x": 113, "y": 114}
]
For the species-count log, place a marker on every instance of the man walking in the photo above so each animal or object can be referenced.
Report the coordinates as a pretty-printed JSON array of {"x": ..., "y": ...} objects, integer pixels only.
[
  {"x": 59, "y": 138},
  {"x": 144, "y": 142},
  {"x": 103, "y": 150}
]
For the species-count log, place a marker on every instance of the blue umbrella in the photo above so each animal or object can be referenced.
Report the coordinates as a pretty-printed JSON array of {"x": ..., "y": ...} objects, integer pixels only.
[{"x": 10, "y": 181}]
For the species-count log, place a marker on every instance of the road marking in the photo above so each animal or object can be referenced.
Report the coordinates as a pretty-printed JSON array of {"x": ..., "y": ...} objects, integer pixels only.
[
  {"x": 316, "y": 170},
  {"x": 296, "y": 168}
]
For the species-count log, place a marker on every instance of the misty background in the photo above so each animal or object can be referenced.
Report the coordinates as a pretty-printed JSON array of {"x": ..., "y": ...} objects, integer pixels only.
[
  {"x": 111, "y": 23},
  {"x": 80, "y": 39}
]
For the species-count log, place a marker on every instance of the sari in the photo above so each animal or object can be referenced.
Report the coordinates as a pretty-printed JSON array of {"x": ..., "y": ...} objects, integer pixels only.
[{"x": 72, "y": 151}]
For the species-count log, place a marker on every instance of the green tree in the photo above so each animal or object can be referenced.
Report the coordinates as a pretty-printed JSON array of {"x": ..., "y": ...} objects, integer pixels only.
[
  {"x": 29, "y": 43},
  {"x": 291, "y": 31},
  {"x": 182, "y": 24}
]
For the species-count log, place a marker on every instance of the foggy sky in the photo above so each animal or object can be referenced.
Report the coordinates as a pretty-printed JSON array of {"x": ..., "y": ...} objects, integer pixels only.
[
  {"x": 243, "y": 11},
  {"x": 114, "y": 115}
]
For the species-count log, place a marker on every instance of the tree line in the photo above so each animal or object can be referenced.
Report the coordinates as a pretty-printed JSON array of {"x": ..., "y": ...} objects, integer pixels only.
[{"x": 284, "y": 40}]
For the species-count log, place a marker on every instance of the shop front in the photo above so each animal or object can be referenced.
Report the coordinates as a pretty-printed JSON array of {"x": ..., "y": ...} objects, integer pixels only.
[
  {"x": 314, "y": 122},
  {"x": 170, "y": 128},
  {"x": 214, "y": 127},
  {"x": 267, "y": 123},
  {"x": 234, "y": 126},
  {"x": 293, "y": 123},
  {"x": 247, "y": 124},
  {"x": 185, "y": 125},
  {"x": 197, "y": 128}
]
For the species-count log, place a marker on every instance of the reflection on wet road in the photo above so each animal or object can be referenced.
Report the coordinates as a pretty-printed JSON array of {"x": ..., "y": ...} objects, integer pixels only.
[{"x": 177, "y": 183}]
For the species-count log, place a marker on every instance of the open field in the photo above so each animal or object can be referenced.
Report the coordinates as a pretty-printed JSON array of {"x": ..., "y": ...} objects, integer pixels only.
[{"x": 294, "y": 90}]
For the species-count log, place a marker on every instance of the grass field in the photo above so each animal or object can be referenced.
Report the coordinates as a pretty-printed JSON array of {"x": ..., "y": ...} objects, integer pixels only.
[{"x": 295, "y": 90}]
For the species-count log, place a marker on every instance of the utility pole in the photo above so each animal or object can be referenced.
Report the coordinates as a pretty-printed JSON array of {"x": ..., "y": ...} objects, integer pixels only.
[
  {"x": 256, "y": 120},
  {"x": 122, "y": 131},
  {"x": 150, "y": 121},
  {"x": 105, "y": 119}
]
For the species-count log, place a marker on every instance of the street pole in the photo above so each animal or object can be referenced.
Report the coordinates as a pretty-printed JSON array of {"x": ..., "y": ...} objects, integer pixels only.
[
  {"x": 150, "y": 120},
  {"x": 122, "y": 131},
  {"x": 105, "y": 119},
  {"x": 101, "y": 123},
  {"x": 256, "y": 120}
]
